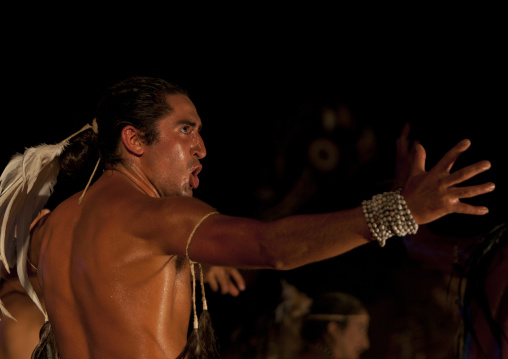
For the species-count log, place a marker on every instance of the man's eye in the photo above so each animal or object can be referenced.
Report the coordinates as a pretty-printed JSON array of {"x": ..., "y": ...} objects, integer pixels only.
[{"x": 186, "y": 129}]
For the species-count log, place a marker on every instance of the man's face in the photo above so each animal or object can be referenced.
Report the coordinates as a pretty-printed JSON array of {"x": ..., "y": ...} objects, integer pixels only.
[
  {"x": 173, "y": 161},
  {"x": 351, "y": 342}
]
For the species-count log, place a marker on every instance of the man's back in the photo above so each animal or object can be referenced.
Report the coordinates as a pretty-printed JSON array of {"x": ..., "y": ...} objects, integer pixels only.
[{"x": 110, "y": 292}]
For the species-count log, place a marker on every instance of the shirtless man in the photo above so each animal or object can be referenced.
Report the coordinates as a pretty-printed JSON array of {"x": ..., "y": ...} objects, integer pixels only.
[
  {"x": 19, "y": 337},
  {"x": 112, "y": 270}
]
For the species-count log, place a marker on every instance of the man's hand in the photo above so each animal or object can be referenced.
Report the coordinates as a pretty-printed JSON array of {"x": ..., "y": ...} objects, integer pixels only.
[
  {"x": 227, "y": 279},
  {"x": 434, "y": 194}
]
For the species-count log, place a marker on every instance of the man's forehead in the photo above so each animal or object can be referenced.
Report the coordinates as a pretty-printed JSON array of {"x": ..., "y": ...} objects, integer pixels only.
[
  {"x": 183, "y": 109},
  {"x": 180, "y": 101}
]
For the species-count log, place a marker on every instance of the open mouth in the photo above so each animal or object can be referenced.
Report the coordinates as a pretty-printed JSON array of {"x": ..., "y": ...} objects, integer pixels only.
[{"x": 194, "y": 180}]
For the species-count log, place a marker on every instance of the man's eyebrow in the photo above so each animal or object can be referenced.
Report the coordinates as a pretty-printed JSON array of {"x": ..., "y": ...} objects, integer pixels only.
[{"x": 190, "y": 123}]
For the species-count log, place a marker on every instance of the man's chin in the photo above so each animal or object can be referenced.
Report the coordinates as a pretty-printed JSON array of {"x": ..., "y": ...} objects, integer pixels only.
[
  {"x": 189, "y": 192},
  {"x": 184, "y": 192}
]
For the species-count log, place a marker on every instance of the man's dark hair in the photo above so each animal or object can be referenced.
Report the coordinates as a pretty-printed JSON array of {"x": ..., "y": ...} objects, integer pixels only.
[
  {"x": 137, "y": 101},
  {"x": 314, "y": 330}
]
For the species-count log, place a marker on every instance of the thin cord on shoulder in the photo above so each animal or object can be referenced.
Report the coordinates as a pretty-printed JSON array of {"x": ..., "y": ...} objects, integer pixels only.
[
  {"x": 194, "y": 230},
  {"x": 196, "y": 322}
]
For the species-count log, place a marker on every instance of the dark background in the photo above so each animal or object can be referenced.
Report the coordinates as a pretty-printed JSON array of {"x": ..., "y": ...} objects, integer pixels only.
[{"x": 260, "y": 87}]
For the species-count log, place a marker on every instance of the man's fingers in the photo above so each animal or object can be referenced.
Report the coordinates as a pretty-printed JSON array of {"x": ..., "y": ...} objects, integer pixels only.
[
  {"x": 405, "y": 131},
  {"x": 238, "y": 278},
  {"x": 233, "y": 290},
  {"x": 473, "y": 191},
  {"x": 224, "y": 282},
  {"x": 403, "y": 140},
  {"x": 402, "y": 143},
  {"x": 465, "y": 208},
  {"x": 469, "y": 192},
  {"x": 227, "y": 280},
  {"x": 420, "y": 155},
  {"x": 415, "y": 144},
  {"x": 448, "y": 160},
  {"x": 468, "y": 172},
  {"x": 212, "y": 282}
]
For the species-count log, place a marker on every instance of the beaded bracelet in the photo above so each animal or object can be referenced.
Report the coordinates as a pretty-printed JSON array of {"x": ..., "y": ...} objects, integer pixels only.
[{"x": 387, "y": 215}]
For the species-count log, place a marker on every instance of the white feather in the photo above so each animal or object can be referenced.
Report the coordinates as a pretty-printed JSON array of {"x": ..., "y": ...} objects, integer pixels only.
[
  {"x": 10, "y": 173},
  {"x": 29, "y": 181},
  {"x": 7, "y": 230},
  {"x": 25, "y": 187},
  {"x": 5, "y": 312}
]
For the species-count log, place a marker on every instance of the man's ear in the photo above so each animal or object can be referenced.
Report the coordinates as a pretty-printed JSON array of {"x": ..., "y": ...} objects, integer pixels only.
[
  {"x": 132, "y": 140},
  {"x": 333, "y": 329}
]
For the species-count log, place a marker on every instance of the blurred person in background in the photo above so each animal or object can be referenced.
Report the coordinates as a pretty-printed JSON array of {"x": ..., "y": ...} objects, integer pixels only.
[{"x": 336, "y": 327}]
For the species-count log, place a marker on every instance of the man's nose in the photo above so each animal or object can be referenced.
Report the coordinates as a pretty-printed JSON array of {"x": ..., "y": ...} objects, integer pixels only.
[
  {"x": 199, "y": 149},
  {"x": 366, "y": 342}
]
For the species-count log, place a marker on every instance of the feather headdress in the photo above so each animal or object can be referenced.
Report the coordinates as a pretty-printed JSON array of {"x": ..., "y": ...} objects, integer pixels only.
[{"x": 25, "y": 186}]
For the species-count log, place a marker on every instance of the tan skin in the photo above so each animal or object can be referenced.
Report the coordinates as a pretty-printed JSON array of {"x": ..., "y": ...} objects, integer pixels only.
[
  {"x": 111, "y": 269},
  {"x": 19, "y": 337},
  {"x": 350, "y": 342}
]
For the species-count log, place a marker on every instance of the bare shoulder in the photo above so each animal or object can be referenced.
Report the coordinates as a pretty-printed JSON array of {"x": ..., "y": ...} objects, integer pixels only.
[
  {"x": 116, "y": 197},
  {"x": 168, "y": 222},
  {"x": 165, "y": 222}
]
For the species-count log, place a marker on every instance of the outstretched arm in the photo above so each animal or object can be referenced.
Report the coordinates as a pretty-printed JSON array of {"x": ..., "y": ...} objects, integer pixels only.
[{"x": 301, "y": 239}]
